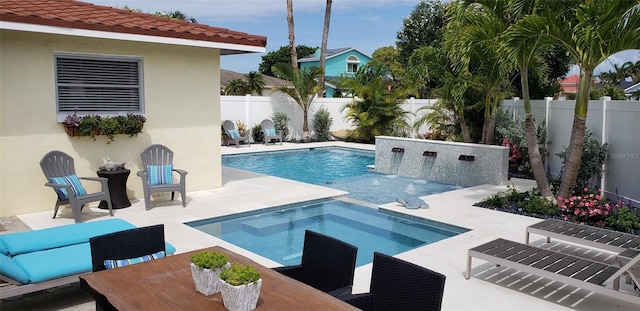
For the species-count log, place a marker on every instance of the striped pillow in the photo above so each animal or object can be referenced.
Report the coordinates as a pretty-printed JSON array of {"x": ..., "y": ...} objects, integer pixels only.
[
  {"x": 110, "y": 264},
  {"x": 270, "y": 132},
  {"x": 72, "y": 180},
  {"x": 159, "y": 174}
]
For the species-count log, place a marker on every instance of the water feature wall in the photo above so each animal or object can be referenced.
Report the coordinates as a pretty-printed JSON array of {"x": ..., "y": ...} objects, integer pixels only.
[{"x": 453, "y": 163}]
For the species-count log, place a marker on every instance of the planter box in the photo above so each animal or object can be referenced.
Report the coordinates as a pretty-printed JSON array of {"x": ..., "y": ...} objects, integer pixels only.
[
  {"x": 242, "y": 297},
  {"x": 207, "y": 281}
]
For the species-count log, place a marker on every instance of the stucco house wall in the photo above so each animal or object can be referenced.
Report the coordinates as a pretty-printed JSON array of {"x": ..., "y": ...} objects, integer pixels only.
[{"x": 182, "y": 107}]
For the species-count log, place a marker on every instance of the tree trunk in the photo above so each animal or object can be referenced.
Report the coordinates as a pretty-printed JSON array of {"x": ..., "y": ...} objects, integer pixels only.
[
  {"x": 305, "y": 125},
  {"x": 574, "y": 151},
  {"x": 535, "y": 158},
  {"x": 323, "y": 48},
  {"x": 491, "y": 127},
  {"x": 465, "y": 131},
  {"x": 485, "y": 123},
  {"x": 292, "y": 37},
  {"x": 573, "y": 157}
]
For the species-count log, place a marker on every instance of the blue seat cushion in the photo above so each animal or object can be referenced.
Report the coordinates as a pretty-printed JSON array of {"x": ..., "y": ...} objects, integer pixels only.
[
  {"x": 270, "y": 132},
  {"x": 13, "y": 244},
  {"x": 45, "y": 265},
  {"x": 55, "y": 263},
  {"x": 9, "y": 268},
  {"x": 159, "y": 174},
  {"x": 71, "y": 180}
]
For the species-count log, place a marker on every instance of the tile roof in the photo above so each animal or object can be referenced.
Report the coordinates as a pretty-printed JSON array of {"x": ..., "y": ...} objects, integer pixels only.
[{"x": 83, "y": 15}]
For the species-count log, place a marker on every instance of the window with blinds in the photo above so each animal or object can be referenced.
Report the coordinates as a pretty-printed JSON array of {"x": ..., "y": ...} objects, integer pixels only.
[{"x": 98, "y": 84}]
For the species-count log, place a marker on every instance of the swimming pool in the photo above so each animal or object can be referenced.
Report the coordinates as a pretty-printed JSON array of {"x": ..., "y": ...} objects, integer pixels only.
[
  {"x": 336, "y": 167},
  {"x": 278, "y": 233}
]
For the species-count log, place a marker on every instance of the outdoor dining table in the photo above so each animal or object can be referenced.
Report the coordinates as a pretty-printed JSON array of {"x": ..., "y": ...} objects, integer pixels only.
[{"x": 166, "y": 284}]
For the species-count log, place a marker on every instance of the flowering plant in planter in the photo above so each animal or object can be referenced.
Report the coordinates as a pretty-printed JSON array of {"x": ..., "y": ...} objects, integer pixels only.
[{"x": 92, "y": 125}]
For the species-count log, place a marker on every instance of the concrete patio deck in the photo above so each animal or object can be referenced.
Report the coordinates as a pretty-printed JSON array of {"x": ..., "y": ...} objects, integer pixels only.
[{"x": 490, "y": 288}]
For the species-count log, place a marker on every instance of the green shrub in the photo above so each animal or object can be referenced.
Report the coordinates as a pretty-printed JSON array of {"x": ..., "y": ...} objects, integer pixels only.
[
  {"x": 513, "y": 195},
  {"x": 497, "y": 200},
  {"x": 109, "y": 127},
  {"x": 209, "y": 260},
  {"x": 281, "y": 123},
  {"x": 322, "y": 122},
  {"x": 539, "y": 205},
  {"x": 512, "y": 134},
  {"x": 89, "y": 126},
  {"x": 624, "y": 219},
  {"x": 594, "y": 155},
  {"x": 256, "y": 133},
  {"x": 238, "y": 274}
]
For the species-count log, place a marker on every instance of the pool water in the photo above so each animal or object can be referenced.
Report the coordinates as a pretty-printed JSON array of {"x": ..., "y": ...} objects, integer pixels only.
[
  {"x": 278, "y": 233},
  {"x": 339, "y": 168}
]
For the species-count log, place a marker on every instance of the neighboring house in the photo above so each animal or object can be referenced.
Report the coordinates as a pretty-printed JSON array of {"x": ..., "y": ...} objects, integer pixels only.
[
  {"x": 570, "y": 84},
  {"x": 53, "y": 55},
  {"x": 632, "y": 92},
  {"x": 339, "y": 62},
  {"x": 270, "y": 83}
]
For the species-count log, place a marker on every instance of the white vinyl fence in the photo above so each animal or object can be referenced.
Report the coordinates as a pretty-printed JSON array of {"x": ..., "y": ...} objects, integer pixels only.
[
  {"x": 612, "y": 121},
  {"x": 251, "y": 110},
  {"x": 616, "y": 122}
]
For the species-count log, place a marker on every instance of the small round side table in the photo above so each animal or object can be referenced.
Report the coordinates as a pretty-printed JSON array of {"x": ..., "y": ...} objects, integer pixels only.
[{"x": 117, "y": 188}]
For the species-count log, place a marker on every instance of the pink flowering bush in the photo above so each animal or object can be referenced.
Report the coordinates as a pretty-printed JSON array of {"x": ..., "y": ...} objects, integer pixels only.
[
  {"x": 514, "y": 151},
  {"x": 588, "y": 207}
]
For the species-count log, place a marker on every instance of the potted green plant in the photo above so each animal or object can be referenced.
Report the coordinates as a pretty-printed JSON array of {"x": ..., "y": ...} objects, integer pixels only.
[
  {"x": 89, "y": 126},
  {"x": 205, "y": 270},
  {"x": 240, "y": 287},
  {"x": 109, "y": 127},
  {"x": 131, "y": 124}
]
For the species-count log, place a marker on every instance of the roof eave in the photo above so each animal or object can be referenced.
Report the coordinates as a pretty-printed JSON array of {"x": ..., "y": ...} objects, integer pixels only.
[{"x": 225, "y": 48}]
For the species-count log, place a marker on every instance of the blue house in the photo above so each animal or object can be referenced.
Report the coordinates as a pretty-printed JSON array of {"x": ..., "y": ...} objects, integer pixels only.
[{"x": 343, "y": 62}]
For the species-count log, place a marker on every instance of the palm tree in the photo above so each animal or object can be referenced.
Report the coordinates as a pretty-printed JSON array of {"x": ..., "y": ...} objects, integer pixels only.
[
  {"x": 435, "y": 64},
  {"x": 591, "y": 31},
  {"x": 377, "y": 110},
  {"x": 254, "y": 82},
  {"x": 475, "y": 47},
  {"x": 305, "y": 88},
  {"x": 292, "y": 37},
  {"x": 323, "y": 47},
  {"x": 523, "y": 53},
  {"x": 236, "y": 87}
]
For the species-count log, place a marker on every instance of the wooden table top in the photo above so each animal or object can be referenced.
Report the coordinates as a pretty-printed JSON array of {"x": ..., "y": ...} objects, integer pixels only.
[{"x": 166, "y": 284}]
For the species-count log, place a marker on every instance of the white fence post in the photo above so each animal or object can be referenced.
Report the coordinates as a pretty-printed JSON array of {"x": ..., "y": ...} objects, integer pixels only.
[
  {"x": 247, "y": 110},
  {"x": 604, "y": 99},
  {"x": 515, "y": 107}
]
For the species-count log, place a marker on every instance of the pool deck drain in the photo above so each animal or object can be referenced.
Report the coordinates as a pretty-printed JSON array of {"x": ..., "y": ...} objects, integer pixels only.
[{"x": 490, "y": 288}]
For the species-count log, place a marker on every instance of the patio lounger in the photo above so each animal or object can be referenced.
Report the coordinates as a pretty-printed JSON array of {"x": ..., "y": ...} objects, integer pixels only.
[
  {"x": 575, "y": 271},
  {"x": 234, "y": 135},
  {"x": 35, "y": 260},
  {"x": 595, "y": 237}
]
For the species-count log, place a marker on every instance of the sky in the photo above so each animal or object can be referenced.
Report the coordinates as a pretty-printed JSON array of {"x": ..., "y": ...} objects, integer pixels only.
[{"x": 365, "y": 25}]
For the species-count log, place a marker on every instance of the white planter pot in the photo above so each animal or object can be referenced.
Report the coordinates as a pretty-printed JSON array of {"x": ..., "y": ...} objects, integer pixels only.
[
  {"x": 207, "y": 281},
  {"x": 242, "y": 297}
]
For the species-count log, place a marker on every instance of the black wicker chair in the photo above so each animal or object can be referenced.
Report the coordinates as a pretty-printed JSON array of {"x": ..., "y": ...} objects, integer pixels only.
[
  {"x": 327, "y": 264},
  {"x": 399, "y": 285},
  {"x": 126, "y": 244}
]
